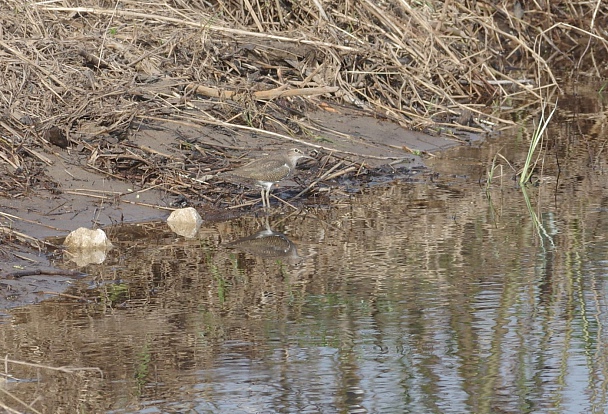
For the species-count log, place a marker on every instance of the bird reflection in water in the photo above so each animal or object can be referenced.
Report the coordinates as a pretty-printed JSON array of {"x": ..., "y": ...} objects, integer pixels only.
[{"x": 267, "y": 243}]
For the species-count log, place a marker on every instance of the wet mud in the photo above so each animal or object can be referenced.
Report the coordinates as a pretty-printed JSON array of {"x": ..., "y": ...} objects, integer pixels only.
[{"x": 162, "y": 168}]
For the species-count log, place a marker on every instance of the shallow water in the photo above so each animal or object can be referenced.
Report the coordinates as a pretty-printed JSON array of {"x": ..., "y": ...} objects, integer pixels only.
[{"x": 428, "y": 296}]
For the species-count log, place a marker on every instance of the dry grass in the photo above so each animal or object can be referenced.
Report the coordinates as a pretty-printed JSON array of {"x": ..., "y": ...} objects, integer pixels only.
[
  {"x": 78, "y": 75},
  {"x": 87, "y": 73}
]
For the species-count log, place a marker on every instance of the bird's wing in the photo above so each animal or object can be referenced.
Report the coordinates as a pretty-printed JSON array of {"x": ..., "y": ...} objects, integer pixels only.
[{"x": 264, "y": 172}]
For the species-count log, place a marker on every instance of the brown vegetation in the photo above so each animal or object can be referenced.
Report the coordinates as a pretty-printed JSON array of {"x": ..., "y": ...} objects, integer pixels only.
[{"x": 87, "y": 76}]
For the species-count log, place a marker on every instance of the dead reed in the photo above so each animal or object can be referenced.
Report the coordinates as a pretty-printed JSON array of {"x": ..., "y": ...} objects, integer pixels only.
[{"x": 87, "y": 76}]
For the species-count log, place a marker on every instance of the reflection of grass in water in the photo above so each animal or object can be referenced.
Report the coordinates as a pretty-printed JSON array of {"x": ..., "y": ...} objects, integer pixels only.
[
  {"x": 538, "y": 225},
  {"x": 15, "y": 401},
  {"x": 283, "y": 269},
  {"x": 219, "y": 278},
  {"x": 117, "y": 293},
  {"x": 235, "y": 265},
  {"x": 217, "y": 273},
  {"x": 294, "y": 295},
  {"x": 113, "y": 293},
  {"x": 142, "y": 368}
]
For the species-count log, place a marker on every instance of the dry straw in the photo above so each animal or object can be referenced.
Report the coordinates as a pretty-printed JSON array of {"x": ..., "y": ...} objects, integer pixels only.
[{"x": 92, "y": 72}]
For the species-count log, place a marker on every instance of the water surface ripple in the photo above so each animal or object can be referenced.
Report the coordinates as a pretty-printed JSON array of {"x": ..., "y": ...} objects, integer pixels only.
[{"x": 424, "y": 297}]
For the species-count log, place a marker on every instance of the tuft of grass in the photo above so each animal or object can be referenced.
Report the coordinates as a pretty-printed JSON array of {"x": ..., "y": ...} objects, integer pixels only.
[{"x": 537, "y": 137}]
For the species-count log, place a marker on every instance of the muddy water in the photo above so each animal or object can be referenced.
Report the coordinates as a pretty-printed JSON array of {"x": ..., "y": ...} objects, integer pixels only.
[{"x": 437, "y": 295}]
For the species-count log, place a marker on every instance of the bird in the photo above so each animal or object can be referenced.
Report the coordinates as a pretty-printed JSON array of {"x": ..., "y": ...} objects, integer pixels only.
[
  {"x": 266, "y": 172},
  {"x": 267, "y": 243}
]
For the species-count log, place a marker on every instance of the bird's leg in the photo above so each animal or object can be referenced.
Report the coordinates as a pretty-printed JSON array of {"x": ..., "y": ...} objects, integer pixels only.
[{"x": 263, "y": 198}]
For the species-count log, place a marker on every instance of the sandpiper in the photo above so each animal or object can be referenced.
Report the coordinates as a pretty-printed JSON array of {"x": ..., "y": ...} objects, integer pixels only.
[
  {"x": 267, "y": 243},
  {"x": 268, "y": 171}
]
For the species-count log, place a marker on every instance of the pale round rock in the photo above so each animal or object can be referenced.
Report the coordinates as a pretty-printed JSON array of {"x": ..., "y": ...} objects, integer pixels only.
[{"x": 185, "y": 222}]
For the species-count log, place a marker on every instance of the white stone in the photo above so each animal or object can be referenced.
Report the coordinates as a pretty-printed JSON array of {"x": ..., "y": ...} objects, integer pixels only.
[{"x": 185, "y": 222}]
